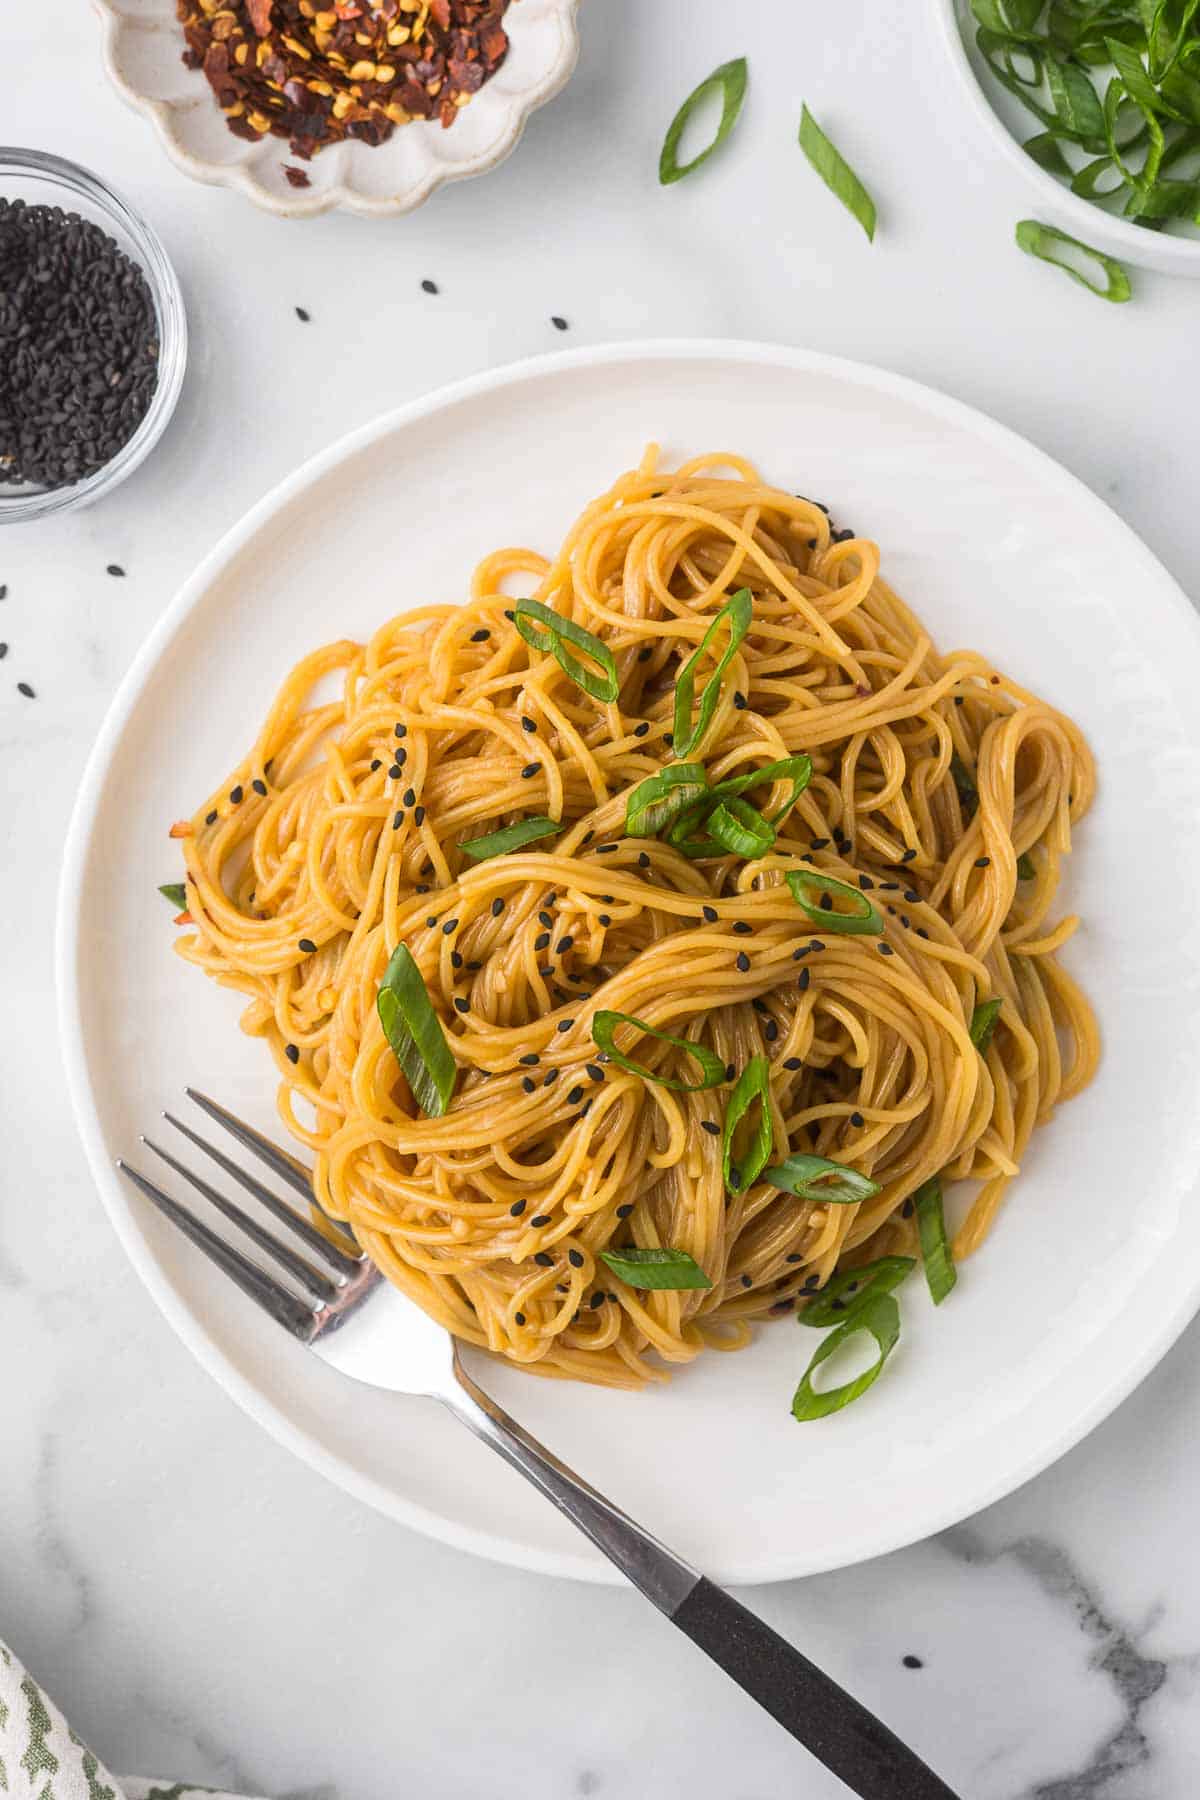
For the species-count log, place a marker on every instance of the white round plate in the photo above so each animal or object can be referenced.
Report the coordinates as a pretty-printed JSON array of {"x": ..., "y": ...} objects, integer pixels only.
[{"x": 1094, "y": 1267}]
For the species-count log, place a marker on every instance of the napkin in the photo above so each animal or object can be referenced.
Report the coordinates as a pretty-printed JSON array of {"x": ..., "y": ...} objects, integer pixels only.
[{"x": 42, "y": 1759}]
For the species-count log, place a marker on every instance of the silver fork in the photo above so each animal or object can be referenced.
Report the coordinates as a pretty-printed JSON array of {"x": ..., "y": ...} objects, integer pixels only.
[{"x": 339, "y": 1305}]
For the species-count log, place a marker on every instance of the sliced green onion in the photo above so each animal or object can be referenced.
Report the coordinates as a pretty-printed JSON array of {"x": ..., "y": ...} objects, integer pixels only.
[
  {"x": 737, "y": 613},
  {"x": 604, "y": 1027},
  {"x": 659, "y": 800},
  {"x": 879, "y": 1277},
  {"x": 1044, "y": 150},
  {"x": 1134, "y": 79},
  {"x": 512, "y": 837},
  {"x": 797, "y": 769},
  {"x": 862, "y": 919},
  {"x": 817, "y": 1178},
  {"x": 740, "y": 828},
  {"x": 1026, "y": 867},
  {"x": 559, "y": 632},
  {"x": 414, "y": 1031},
  {"x": 1039, "y": 240},
  {"x": 1076, "y": 104},
  {"x": 176, "y": 893},
  {"x": 836, "y": 173},
  {"x": 656, "y": 1269},
  {"x": 940, "y": 1272},
  {"x": 881, "y": 1317},
  {"x": 983, "y": 1023},
  {"x": 964, "y": 782},
  {"x": 753, "y": 1084},
  {"x": 730, "y": 82}
]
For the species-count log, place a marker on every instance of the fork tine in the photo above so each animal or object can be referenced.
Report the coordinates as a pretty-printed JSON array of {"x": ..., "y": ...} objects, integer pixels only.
[
  {"x": 308, "y": 1234},
  {"x": 284, "y": 1255},
  {"x": 288, "y": 1168},
  {"x": 286, "y": 1309}
]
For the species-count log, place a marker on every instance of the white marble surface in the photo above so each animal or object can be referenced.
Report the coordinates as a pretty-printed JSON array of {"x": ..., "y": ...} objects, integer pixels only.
[{"x": 202, "y": 1605}]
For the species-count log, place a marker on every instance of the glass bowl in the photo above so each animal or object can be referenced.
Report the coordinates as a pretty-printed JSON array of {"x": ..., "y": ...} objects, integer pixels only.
[{"x": 43, "y": 180}]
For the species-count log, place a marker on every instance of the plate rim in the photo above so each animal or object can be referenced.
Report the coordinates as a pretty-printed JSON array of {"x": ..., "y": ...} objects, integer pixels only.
[{"x": 877, "y": 1541}]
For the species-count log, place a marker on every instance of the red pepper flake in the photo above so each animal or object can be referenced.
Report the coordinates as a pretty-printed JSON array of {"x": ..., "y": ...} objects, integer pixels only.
[
  {"x": 181, "y": 828},
  {"x": 183, "y": 918},
  {"x": 297, "y": 178},
  {"x": 260, "y": 15}
]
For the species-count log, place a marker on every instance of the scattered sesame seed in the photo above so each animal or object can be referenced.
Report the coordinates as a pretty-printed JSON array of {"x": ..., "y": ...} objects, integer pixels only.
[
  {"x": 743, "y": 962},
  {"x": 623, "y": 1212},
  {"x": 563, "y": 945},
  {"x": 530, "y": 770},
  {"x": 531, "y": 1060},
  {"x": 211, "y": 818},
  {"x": 376, "y": 764},
  {"x": 409, "y": 797},
  {"x": 260, "y": 787},
  {"x": 805, "y": 978},
  {"x": 886, "y": 950},
  {"x": 982, "y": 862},
  {"x": 747, "y": 1282},
  {"x": 642, "y": 730},
  {"x": 604, "y": 919},
  {"x": 669, "y": 740},
  {"x": 236, "y": 795},
  {"x": 909, "y": 856},
  {"x": 606, "y": 849},
  {"x": 558, "y": 322},
  {"x": 856, "y": 1118},
  {"x": 564, "y": 1025},
  {"x": 308, "y": 947},
  {"x": 818, "y": 844},
  {"x": 865, "y": 882},
  {"x": 461, "y": 1005},
  {"x": 292, "y": 1053},
  {"x": 517, "y": 1208},
  {"x": 397, "y": 819},
  {"x": 643, "y": 859},
  {"x": 710, "y": 913},
  {"x": 771, "y": 1029},
  {"x": 540, "y": 1219},
  {"x": 449, "y": 927},
  {"x": 912, "y": 1662},
  {"x": 575, "y": 1258},
  {"x": 116, "y": 569},
  {"x": 921, "y": 931},
  {"x": 542, "y": 939},
  {"x": 481, "y": 636},
  {"x": 793, "y": 1256},
  {"x": 826, "y": 903},
  {"x": 741, "y": 928},
  {"x": 399, "y": 730},
  {"x": 422, "y": 887},
  {"x": 431, "y": 921},
  {"x": 816, "y": 944},
  {"x": 528, "y": 724},
  {"x": 645, "y": 653},
  {"x": 544, "y": 1259},
  {"x": 497, "y": 907},
  {"x": 575, "y": 1096},
  {"x": 959, "y": 699},
  {"x": 430, "y": 287},
  {"x": 596, "y": 1300},
  {"x": 550, "y": 1077},
  {"x": 793, "y": 1063},
  {"x": 811, "y": 1284},
  {"x": 473, "y": 967},
  {"x": 889, "y": 887},
  {"x": 740, "y": 701},
  {"x": 519, "y": 1318},
  {"x": 730, "y": 1071},
  {"x": 800, "y": 952}
]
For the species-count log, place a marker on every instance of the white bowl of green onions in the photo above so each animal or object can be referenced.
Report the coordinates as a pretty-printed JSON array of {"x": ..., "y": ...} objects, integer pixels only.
[{"x": 1098, "y": 102}]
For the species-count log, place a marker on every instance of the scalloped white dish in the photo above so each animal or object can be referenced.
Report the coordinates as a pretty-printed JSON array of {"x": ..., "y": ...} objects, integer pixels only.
[
  {"x": 143, "y": 46},
  {"x": 1094, "y": 1266}
]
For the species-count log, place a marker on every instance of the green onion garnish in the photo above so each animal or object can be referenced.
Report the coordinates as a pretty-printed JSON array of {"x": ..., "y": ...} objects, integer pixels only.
[
  {"x": 740, "y": 828},
  {"x": 737, "y": 613},
  {"x": 659, "y": 800},
  {"x": 881, "y": 1317},
  {"x": 1026, "y": 867},
  {"x": 554, "y": 639},
  {"x": 940, "y": 1272},
  {"x": 817, "y": 1178},
  {"x": 414, "y": 1031},
  {"x": 730, "y": 81},
  {"x": 753, "y": 1084},
  {"x": 836, "y": 173},
  {"x": 797, "y": 769},
  {"x": 860, "y": 920},
  {"x": 1039, "y": 240},
  {"x": 879, "y": 1277},
  {"x": 176, "y": 893},
  {"x": 604, "y": 1027},
  {"x": 983, "y": 1023},
  {"x": 512, "y": 837},
  {"x": 656, "y": 1269}
]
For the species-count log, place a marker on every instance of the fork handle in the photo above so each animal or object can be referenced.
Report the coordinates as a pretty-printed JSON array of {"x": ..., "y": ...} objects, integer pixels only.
[{"x": 823, "y": 1717}]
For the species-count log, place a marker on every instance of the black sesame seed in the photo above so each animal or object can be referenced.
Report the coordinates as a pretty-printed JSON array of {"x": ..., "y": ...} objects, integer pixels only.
[
  {"x": 771, "y": 1029},
  {"x": 596, "y": 1300},
  {"x": 558, "y": 322},
  {"x": 741, "y": 927},
  {"x": 409, "y": 797},
  {"x": 575, "y": 1096},
  {"x": 481, "y": 636},
  {"x": 643, "y": 859},
  {"x": 400, "y": 730},
  {"x": 292, "y": 1053},
  {"x": 542, "y": 939},
  {"x": 376, "y": 764},
  {"x": 400, "y": 757},
  {"x": 544, "y": 1259},
  {"x": 564, "y": 1025},
  {"x": 397, "y": 819},
  {"x": 461, "y": 1005},
  {"x": 645, "y": 653},
  {"x": 642, "y": 730},
  {"x": 606, "y": 849},
  {"x": 805, "y": 978},
  {"x": 710, "y": 913},
  {"x": 431, "y": 287},
  {"x": 743, "y": 962},
  {"x": 747, "y": 1282},
  {"x": 431, "y": 921},
  {"x": 669, "y": 740},
  {"x": 449, "y": 927},
  {"x": 740, "y": 701},
  {"x": 563, "y": 945},
  {"x": 531, "y": 1060},
  {"x": 308, "y": 947},
  {"x": 547, "y": 971},
  {"x": 529, "y": 771},
  {"x": 826, "y": 903},
  {"x": 497, "y": 907},
  {"x": 550, "y": 1077},
  {"x": 519, "y": 1318},
  {"x": 981, "y": 862},
  {"x": 921, "y": 931},
  {"x": 236, "y": 795},
  {"x": 575, "y": 1258},
  {"x": 886, "y": 950},
  {"x": 912, "y": 1662},
  {"x": 912, "y": 896},
  {"x": 865, "y": 882},
  {"x": 959, "y": 699},
  {"x": 800, "y": 952},
  {"x": 793, "y": 1063},
  {"x": 603, "y": 919},
  {"x": 540, "y": 1219},
  {"x": 793, "y": 1256},
  {"x": 116, "y": 569},
  {"x": 908, "y": 856},
  {"x": 211, "y": 818},
  {"x": 623, "y": 1212},
  {"x": 816, "y": 944},
  {"x": 730, "y": 1071},
  {"x": 528, "y": 724},
  {"x": 473, "y": 967},
  {"x": 810, "y": 1284},
  {"x": 422, "y": 887},
  {"x": 711, "y": 1126},
  {"x": 819, "y": 844}
]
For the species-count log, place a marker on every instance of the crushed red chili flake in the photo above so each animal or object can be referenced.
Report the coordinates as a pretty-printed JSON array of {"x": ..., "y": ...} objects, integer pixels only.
[
  {"x": 316, "y": 74},
  {"x": 296, "y": 177}
]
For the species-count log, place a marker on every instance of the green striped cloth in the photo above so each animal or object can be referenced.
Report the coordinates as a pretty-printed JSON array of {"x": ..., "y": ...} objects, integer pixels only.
[{"x": 42, "y": 1759}]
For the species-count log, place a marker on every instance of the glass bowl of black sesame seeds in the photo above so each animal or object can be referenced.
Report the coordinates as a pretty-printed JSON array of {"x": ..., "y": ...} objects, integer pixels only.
[{"x": 93, "y": 337}]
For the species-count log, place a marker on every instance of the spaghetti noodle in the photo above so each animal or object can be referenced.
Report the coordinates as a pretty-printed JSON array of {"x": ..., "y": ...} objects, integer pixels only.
[{"x": 941, "y": 793}]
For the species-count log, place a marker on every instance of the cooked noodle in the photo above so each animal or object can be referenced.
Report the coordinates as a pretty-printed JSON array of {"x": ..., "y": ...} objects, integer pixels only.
[{"x": 320, "y": 839}]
